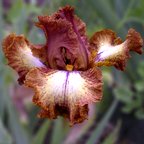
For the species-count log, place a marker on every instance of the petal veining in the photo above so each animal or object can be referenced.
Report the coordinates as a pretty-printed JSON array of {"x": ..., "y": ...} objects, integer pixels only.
[
  {"x": 19, "y": 55},
  {"x": 60, "y": 39},
  {"x": 66, "y": 31},
  {"x": 65, "y": 93},
  {"x": 109, "y": 50},
  {"x": 79, "y": 28}
]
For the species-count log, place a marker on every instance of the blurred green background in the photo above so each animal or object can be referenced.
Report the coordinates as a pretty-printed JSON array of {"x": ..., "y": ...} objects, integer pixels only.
[{"x": 117, "y": 119}]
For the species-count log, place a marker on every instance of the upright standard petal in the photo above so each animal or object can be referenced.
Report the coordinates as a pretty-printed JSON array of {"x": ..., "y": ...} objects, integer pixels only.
[
  {"x": 19, "y": 55},
  {"x": 109, "y": 50},
  {"x": 65, "y": 93},
  {"x": 79, "y": 28},
  {"x": 66, "y": 39},
  {"x": 61, "y": 42}
]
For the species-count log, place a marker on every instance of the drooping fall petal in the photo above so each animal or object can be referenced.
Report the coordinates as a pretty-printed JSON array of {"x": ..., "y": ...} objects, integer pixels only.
[
  {"x": 109, "y": 50},
  {"x": 66, "y": 31},
  {"x": 65, "y": 93},
  {"x": 19, "y": 55},
  {"x": 78, "y": 113}
]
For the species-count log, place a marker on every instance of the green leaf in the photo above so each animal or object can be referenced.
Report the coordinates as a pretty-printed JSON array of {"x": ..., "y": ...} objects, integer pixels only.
[
  {"x": 139, "y": 85},
  {"x": 19, "y": 14},
  {"x": 15, "y": 10},
  {"x": 108, "y": 14},
  {"x": 141, "y": 70},
  {"x": 101, "y": 126},
  {"x": 18, "y": 131},
  {"x": 36, "y": 36},
  {"x": 1, "y": 30},
  {"x": 40, "y": 135},
  {"x": 59, "y": 131},
  {"x": 113, "y": 136},
  {"x": 128, "y": 108},
  {"x": 5, "y": 137},
  {"x": 136, "y": 103},
  {"x": 123, "y": 93},
  {"x": 131, "y": 4},
  {"x": 140, "y": 113}
]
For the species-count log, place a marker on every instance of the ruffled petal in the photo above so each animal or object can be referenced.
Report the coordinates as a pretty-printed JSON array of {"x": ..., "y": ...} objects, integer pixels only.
[
  {"x": 39, "y": 51},
  {"x": 66, "y": 39},
  {"x": 108, "y": 50},
  {"x": 78, "y": 113},
  {"x": 65, "y": 93},
  {"x": 19, "y": 55},
  {"x": 79, "y": 28},
  {"x": 135, "y": 41},
  {"x": 60, "y": 40}
]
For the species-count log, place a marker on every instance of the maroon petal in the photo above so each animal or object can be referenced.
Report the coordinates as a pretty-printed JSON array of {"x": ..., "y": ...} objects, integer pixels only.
[
  {"x": 60, "y": 40},
  {"x": 79, "y": 28},
  {"x": 66, "y": 39}
]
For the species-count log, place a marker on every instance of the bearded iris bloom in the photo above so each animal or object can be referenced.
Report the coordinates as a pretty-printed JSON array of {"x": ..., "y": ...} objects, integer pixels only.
[{"x": 64, "y": 72}]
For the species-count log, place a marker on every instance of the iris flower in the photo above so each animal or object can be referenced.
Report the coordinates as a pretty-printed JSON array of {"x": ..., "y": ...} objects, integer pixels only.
[{"x": 65, "y": 71}]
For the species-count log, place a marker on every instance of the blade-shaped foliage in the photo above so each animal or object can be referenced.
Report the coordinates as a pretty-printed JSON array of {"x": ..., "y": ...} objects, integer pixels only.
[{"x": 5, "y": 137}]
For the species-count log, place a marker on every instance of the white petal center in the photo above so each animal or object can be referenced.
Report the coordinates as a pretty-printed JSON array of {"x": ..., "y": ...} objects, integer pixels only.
[
  {"x": 107, "y": 50},
  {"x": 28, "y": 58}
]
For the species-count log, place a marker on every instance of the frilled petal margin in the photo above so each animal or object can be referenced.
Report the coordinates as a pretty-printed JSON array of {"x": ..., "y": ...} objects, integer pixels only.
[
  {"x": 20, "y": 57},
  {"x": 60, "y": 37},
  {"x": 66, "y": 31},
  {"x": 79, "y": 28},
  {"x": 65, "y": 93},
  {"x": 109, "y": 50}
]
